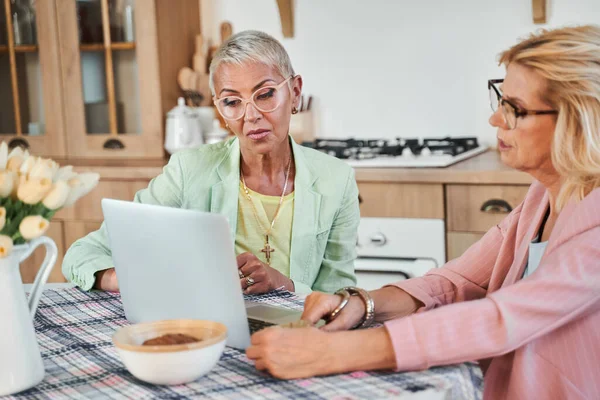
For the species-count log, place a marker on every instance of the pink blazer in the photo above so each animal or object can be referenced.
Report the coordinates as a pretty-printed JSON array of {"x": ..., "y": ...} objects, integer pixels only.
[{"x": 537, "y": 337}]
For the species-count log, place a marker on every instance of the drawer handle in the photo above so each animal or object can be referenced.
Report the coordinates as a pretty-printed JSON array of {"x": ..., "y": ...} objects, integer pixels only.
[
  {"x": 114, "y": 144},
  {"x": 496, "y": 206},
  {"x": 18, "y": 142},
  {"x": 378, "y": 239}
]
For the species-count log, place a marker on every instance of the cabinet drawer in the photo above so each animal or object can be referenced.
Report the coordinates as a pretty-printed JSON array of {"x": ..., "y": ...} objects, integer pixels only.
[
  {"x": 89, "y": 207},
  {"x": 465, "y": 205},
  {"x": 401, "y": 200},
  {"x": 459, "y": 242}
]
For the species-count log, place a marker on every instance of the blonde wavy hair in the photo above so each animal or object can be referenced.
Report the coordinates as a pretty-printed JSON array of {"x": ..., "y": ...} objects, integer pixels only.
[{"x": 569, "y": 60}]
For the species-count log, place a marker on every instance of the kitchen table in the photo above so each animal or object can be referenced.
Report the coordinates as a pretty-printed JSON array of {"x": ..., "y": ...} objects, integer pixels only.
[{"x": 74, "y": 330}]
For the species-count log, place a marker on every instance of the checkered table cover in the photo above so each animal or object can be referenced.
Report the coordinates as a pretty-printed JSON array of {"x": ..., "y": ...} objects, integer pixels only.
[{"x": 74, "y": 330}]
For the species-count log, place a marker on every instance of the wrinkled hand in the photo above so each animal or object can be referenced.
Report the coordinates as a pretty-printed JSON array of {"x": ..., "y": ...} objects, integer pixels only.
[
  {"x": 292, "y": 353},
  {"x": 319, "y": 305},
  {"x": 265, "y": 278},
  {"x": 107, "y": 280}
]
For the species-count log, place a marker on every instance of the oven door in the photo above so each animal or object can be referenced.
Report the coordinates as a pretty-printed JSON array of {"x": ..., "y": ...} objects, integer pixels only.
[{"x": 375, "y": 272}]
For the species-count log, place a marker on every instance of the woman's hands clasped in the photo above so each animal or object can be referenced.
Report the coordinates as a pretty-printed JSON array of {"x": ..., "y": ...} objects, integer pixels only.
[{"x": 257, "y": 277}]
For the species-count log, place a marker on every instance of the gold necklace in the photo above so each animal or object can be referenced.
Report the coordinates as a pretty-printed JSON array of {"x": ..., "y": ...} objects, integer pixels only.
[{"x": 267, "y": 249}]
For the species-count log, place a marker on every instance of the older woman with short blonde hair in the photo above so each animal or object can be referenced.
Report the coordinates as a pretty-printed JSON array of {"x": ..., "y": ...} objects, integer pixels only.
[
  {"x": 525, "y": 299},
  {"x": 293, "y": 211}
]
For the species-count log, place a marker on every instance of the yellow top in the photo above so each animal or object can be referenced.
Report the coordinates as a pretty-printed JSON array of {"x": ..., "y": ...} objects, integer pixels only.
[{"x": 250, "y": 234}]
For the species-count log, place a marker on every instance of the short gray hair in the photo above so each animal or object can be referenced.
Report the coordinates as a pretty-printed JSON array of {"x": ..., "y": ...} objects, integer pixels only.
[{"x": 251, "y": 46}]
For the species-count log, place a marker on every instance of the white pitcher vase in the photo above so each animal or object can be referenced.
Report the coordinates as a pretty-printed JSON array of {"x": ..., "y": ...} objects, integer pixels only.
[{"x": 21, "y": 365}]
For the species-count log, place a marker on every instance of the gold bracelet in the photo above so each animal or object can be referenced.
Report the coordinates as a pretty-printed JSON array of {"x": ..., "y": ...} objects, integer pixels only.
[
  {"x": 336, "y": 311},
  {"x": 369, "y": 315}
]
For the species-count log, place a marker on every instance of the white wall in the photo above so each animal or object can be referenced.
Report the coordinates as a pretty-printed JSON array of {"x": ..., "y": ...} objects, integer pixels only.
[{"x": 387, "y": 68}]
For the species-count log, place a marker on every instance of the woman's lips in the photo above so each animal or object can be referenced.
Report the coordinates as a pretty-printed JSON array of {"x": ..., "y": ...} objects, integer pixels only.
[
  {"x": 258, "y": 134},
  {"x": 502, "y": 146}
]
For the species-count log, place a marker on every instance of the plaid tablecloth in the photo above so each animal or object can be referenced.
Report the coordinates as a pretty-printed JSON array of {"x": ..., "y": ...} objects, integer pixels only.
[{"x": 74, "y": 330}]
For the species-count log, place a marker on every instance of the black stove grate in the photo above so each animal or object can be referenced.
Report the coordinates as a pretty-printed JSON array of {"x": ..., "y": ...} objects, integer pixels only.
[{"x": 363, "y": 149}]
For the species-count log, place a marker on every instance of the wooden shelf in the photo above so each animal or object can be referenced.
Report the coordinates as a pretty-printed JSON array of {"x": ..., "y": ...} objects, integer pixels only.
[
  {"x": 286, "y": 15},
  {"x": 20, "y": 49},
  {"x": 114, "y": 46}
]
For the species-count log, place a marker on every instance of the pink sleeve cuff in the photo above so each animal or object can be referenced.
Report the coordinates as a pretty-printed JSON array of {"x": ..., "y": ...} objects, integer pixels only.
[
  {"x": 407, "y": 349},
  {"x": 416, "y": 287}
]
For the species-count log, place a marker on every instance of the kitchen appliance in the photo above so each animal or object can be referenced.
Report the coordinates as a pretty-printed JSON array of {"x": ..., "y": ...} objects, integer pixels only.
[
  {"x": 400, "y": 152},
  {"x": 394, "y": 249},
  {"x": 184, "y": 129}
]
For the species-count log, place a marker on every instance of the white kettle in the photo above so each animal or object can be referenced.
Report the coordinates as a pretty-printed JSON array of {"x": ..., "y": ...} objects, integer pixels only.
[
  {"x": 183, "y": 129},
  {"x": 21, "y": 365}
]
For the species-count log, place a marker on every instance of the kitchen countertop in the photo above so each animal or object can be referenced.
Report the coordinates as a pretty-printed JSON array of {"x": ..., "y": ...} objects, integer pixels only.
[{"x": 485, "y": 168}]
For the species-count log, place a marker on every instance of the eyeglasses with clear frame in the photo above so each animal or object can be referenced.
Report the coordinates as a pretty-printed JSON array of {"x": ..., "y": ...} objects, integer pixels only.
[
  {"x": 265, "y": 99},
  {"x": 510, "y": 111}
]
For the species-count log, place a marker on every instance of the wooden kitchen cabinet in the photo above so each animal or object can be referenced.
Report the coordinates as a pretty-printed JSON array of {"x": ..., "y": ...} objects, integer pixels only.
[
  {"x": 75, "y": 230},
  {"x": 120, "y": 80},
  {"x": 401, "y": 200},
  {"x": 89, "y": 208},
  {"x": 471, "y": 210},
  {"x": 458, "y": 242},
  {"x": 31, "y": 106},
  {"x": 476, "y": 208},
  {"x": 31, "y": 265},
  {"x": 96, "y": 78}
]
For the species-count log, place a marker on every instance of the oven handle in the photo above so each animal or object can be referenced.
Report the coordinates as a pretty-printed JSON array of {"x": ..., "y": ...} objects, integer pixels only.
[{"x": 396, "y": 265}]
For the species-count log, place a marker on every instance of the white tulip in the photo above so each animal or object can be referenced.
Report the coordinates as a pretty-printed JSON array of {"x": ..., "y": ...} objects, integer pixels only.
[
  {"x": 15, "y": 159},
  {"x": 65, "y": 173},
  {"x": 7, "y": 183},
  {"x": 2, "y": 217},
  {"x": 43, "y": 168},
  {"x": 16, "y": 151},
  {"x": 81, "y": 185},
  {"x": 32, "y": 191},
  {"x": 28, "y": 164},
  {"x": 57, "y": 196},
  {"x": 33, "y": 226},
  {"x": 3, "y": 155},
  {"x": 6, "y": 245},
  {"x": 14, "y": 164}
]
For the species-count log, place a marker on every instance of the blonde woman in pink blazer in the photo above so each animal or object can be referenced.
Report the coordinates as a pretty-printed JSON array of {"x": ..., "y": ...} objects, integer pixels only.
[{"x": 525, "y": 299}]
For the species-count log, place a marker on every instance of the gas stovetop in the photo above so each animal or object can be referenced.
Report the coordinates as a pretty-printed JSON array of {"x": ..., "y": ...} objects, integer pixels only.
[{"x": 400, "y": 152}]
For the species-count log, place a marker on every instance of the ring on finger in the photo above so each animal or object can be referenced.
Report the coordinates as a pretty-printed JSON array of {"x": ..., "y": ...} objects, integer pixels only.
[
  {"x": 345, "y": 295},
  {"x": 241, "y": 274},
  {"x": 249, "y": 281}
]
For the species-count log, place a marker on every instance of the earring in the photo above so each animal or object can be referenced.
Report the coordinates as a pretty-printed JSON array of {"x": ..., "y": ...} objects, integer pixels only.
[
  {"x": 294, "y": 110},
  {"x": 226, "y": 125}
]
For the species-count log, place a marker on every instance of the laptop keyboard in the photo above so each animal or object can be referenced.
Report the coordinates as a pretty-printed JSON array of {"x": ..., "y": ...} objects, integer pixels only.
[{"x": 256, "y": 325}]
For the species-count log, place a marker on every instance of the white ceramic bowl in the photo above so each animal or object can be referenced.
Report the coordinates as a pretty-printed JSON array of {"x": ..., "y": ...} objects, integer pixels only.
[{"x": 170, "y": 364}]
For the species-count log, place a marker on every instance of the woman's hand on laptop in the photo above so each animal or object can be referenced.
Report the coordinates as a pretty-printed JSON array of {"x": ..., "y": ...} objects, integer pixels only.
[
  {"x": 257, "y": 277},
  {"x": 107, "y": 280}
]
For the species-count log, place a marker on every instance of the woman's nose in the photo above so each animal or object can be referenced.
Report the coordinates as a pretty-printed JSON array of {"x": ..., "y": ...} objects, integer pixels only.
[
  {"x": 497, "y": 119},
  {"x": 251, "y": 114}
]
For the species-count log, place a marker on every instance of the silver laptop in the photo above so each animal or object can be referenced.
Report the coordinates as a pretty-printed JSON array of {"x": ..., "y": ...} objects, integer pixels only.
[{"x": 173, "y": 263}]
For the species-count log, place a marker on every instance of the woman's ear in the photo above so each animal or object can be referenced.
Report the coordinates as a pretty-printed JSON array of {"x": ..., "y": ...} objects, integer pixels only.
[{"x": 296, "y": 90}]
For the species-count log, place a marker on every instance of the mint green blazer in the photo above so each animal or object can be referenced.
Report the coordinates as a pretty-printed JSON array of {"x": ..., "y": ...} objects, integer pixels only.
[{"x": 325, "y": 223}]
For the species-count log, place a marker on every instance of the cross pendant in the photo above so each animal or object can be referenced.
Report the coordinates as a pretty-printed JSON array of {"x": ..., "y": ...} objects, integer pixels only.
[{"x": 267, "y": 249}]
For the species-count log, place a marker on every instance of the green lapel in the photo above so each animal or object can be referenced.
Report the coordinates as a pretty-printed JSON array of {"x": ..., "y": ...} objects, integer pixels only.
[
  {"x": 307, "y": 204},
  {"x": 224, "y": 194}
]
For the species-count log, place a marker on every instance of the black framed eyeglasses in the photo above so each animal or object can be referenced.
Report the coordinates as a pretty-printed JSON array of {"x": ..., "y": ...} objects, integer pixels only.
[{"x": 510, "y": 111}]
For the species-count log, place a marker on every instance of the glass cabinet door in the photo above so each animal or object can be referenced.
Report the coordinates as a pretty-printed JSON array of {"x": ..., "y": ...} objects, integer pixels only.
[
  {"x": 110, "y": 49},
  {"x": 31, "y": 112}
]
